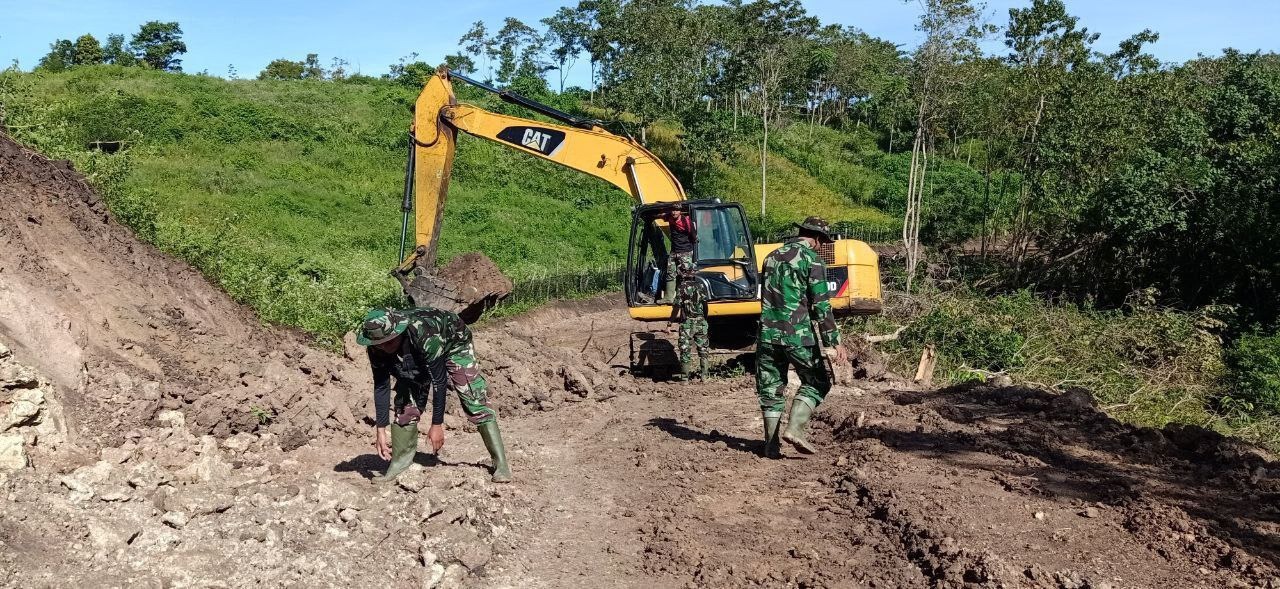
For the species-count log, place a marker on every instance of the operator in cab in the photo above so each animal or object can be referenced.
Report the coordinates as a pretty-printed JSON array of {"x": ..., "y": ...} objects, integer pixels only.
[{"x": 683, "y": 238}]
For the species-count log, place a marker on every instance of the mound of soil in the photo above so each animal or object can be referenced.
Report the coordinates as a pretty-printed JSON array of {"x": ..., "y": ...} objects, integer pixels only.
[
  {"x": 125, "y": 331},
  {"x": 474, "y": 270}
]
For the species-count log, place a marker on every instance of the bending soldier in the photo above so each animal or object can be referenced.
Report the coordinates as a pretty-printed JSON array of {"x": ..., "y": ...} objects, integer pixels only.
[
  {"x": 419, "y": 347},
  {"x": 794, "y": 297},
  {"x": 691, "y": 311}
]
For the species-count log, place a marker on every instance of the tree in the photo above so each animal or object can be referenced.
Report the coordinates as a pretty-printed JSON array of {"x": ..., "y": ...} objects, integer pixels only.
[
  {"x": 282, "y": 69},
  {"x": 311, "y": 68},
  {"x": 410, "y": 71},
  {"x": 953, "y": 29},
  {"x": 87, "y": 51},
  {"x": 478, "y": 45},
  {"x": 62, "y": 54},
  {"x": 567, "y": 32},
  {"x": 307, "y": 69},
  {"x": 460, "y": 63},
  {"x": 338, "y": 68},
  {"x": 518, "y": 49},
  {"x": 158, "y": 45},
  {"x": 1045, "y": 45},
  {"x": 115, "y": 52},
  {"x": 778, "y": 36}
]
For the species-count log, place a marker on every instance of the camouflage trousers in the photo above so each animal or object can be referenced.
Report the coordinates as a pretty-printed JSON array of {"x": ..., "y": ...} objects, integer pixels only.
[
  {"x": 463, "y": 378},
  {"x": 772, "y": 361},
  {"x": 677, "y": 261},
  {"x": 693, "y": 344}
]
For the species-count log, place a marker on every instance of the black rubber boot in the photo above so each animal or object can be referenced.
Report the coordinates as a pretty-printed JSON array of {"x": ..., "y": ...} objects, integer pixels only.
[
  {"x": 772, "y": 449},
  {"x": 685, "y": 374},
  {"x": 404, "y": 446},
  {"x": 801, "y": 411},
  {"x": 493, "y": 442}
]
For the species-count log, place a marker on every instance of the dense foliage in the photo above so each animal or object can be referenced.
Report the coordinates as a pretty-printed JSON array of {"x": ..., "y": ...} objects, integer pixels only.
[{"x": 156, "y": 45}]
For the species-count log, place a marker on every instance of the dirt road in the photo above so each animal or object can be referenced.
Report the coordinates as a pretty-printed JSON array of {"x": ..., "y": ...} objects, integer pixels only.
[
  {"x": 154, "y": 434},
  {"x": 984, "y": 486}
]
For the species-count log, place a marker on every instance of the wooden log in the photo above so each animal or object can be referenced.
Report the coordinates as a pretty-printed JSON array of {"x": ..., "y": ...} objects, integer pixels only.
[
  {"x": 875, "y": 339},
  {"x": 924, "y": 371}
]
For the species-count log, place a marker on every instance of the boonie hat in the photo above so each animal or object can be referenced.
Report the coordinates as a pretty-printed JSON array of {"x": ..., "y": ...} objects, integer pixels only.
[
  {"x": 817, "y": 225},
  {"x": 379, "y": 326}
]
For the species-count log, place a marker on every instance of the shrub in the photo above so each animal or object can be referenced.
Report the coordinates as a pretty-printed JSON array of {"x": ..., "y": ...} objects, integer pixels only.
[
  {"x": 1149, "y": 366},
  {"x": 1254, "y": 362}
]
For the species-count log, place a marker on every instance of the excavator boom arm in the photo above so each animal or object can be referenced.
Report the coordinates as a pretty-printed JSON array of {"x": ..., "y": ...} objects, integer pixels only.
[{"x": 581, "y": 145}]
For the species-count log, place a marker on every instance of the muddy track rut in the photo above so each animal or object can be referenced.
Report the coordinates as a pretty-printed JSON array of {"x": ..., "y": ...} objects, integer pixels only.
[{"x": 971, "y": 486}]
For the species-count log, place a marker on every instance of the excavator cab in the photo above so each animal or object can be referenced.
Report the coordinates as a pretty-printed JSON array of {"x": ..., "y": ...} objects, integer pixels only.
[{"x": 723, "y": 253}]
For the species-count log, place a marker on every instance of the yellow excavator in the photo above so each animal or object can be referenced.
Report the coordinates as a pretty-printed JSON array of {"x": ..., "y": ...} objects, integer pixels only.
[{"x": 725, "y": 253}]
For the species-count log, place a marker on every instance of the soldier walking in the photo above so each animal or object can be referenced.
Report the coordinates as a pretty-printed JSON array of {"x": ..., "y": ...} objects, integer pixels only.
[
  {"x": 422, "y": 347},
  {"x": 691, "y": 311},
  {"x": 794, "y": 298}
]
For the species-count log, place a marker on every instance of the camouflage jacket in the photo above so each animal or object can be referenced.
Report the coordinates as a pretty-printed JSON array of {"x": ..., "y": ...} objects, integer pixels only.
[
  {"x": 794, "y": 292},
  {"x": 431, "y": 336},
  {"x": 691, "y": 298}
]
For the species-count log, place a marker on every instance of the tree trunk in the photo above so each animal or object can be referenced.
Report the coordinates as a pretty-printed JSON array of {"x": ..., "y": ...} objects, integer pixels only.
[
  {"x": 735, "y": 111},
  {"x": 986, "y": 208},
  {"x": 1022, "y": 231},
  {"x": 915, "y": 191},
  {"x": 764, "y": 158}
]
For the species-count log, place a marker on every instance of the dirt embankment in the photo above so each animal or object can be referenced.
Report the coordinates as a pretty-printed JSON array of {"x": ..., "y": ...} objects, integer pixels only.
[
  {"x": 155, "y": 425},
  {"x": 125, "y": 331}
]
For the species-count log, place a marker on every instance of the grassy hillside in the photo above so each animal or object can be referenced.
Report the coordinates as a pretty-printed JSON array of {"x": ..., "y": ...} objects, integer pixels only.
[{"x": 287, "y": 193}]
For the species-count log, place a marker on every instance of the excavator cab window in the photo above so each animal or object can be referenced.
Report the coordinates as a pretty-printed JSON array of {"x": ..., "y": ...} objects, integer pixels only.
[
  {"x": 723, "y": 252},
  {"x": 647, "y": 261}
]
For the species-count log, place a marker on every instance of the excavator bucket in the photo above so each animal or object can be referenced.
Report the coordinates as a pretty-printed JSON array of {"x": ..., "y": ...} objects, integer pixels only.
[{"x": 468, "y": 285}]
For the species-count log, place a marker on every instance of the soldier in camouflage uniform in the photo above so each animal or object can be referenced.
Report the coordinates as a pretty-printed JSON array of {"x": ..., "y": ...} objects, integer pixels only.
[
  {"x": 684, "y": 237},
  {"x": 691, "y": 311},
  {"x": 422, "y": 347},
  {"x": 794, "y": 297}
]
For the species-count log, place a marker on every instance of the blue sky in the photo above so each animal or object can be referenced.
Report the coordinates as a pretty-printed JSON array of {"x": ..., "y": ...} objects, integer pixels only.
[{"x": 375, "y": 33}]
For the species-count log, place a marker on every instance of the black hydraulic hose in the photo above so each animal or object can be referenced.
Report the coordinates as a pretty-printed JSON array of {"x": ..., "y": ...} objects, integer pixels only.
[
  {"x": 529, "y": 103},
  {"x": 406, "y": 205}
]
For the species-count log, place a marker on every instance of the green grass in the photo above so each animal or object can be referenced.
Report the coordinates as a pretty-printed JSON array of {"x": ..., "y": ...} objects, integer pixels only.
[
  {"x": 1147, "y": 366},
  {"x": 287, "y": 194},
  {"x": 811, "y": 171}
]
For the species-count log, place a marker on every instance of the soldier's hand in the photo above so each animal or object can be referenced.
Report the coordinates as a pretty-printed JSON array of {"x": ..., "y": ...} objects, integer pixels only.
[
  {"x": 436, "y": 434},
  {"x": 836, "y": 354},
  {"x": 381, "y": 442}
]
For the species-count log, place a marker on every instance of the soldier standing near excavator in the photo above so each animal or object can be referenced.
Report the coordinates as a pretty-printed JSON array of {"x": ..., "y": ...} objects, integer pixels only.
[
  {"x": 794, "y": 300},
  {"x": 683, "y": 237},
  {"x": 423, "y": 347},
  {"x": 690, "y": 310}
]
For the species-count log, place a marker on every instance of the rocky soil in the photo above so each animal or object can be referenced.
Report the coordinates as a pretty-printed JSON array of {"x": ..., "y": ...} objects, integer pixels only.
[{"x": 153, "y": 433}]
